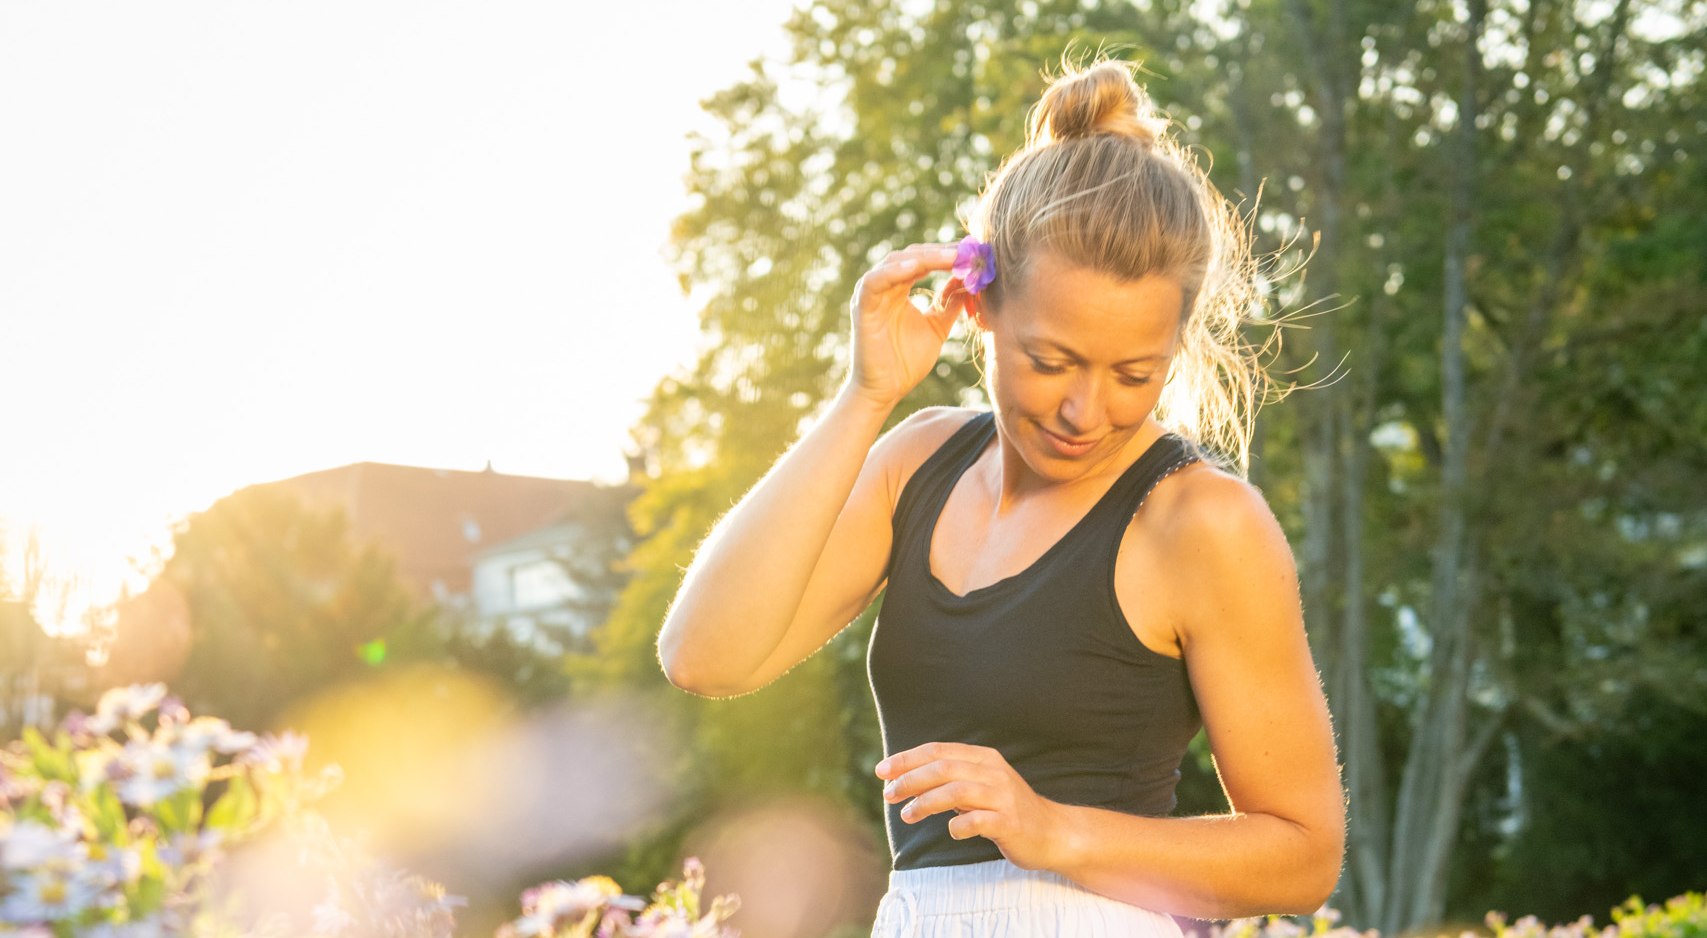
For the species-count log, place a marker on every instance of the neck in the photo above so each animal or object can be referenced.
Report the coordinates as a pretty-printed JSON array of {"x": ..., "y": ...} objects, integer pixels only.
[{"x": 1014, "y": 482}]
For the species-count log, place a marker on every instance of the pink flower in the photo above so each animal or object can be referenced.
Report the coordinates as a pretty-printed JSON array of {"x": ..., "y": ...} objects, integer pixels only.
[{"x": 975, "y": 264}]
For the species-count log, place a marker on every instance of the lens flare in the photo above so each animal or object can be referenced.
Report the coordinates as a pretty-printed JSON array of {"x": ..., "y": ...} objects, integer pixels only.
[
  {"x": 443, "y": 777},
  {"x": 801, "y": 867}
]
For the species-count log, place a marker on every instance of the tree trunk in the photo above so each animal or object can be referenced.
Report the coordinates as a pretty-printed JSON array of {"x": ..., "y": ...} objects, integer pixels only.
[
  {"x": 1333, "y": 458},
  {"x": 1431, "y": 792},
  {"x": 1245, "y": 146}
]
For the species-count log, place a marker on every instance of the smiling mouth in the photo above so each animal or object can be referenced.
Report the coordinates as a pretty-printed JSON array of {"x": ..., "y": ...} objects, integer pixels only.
[
  {"x": 1067, "y": 446},
  {"x": 1069, "y": 440}
]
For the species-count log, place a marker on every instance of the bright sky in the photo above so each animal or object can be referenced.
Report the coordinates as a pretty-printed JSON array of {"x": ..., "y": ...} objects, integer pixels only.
[{"x": 243, "y": 241}]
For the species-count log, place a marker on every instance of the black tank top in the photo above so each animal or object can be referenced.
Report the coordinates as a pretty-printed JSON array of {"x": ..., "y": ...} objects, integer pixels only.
[{"x": 1041, "y": 666}]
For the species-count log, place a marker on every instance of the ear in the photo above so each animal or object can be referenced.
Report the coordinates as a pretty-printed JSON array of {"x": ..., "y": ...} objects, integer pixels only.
[
  {"x": 954, "y": 294},
  {"x": 976, "y": 311}
]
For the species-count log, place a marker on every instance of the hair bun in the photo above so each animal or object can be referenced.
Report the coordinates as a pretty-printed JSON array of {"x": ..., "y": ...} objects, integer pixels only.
[{"x": 1102, "y": 99}]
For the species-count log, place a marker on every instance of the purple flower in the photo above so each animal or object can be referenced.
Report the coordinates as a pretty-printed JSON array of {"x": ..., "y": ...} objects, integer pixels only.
[
  {"x": 975, "y": 264},
  {"x": 122, "y": 705}
]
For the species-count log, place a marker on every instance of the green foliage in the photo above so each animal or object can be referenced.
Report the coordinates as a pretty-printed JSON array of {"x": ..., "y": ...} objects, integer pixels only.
[
  {"x": 1582, "y": 340},
  {"x": 281, "y": 602},
  {"x": 1577, "y": 810},
  {"x": 1683, "y": 916}
]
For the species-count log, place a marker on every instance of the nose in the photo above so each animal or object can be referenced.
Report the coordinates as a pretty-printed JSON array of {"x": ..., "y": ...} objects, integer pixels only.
[{"x": 1082, "y": 410}]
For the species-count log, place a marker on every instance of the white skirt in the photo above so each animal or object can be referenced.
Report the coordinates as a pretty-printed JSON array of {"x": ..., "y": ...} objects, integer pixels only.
[{"x": 996, "y": 899}]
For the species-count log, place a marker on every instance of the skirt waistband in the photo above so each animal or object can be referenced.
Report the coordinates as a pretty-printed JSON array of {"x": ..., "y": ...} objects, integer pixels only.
[{"x": 1036, "y": 901}]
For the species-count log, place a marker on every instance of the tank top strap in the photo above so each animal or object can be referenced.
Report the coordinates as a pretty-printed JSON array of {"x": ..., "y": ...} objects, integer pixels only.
[
  {"x": 927, "y": 490},
  {"x": 1167, "y": 455}
]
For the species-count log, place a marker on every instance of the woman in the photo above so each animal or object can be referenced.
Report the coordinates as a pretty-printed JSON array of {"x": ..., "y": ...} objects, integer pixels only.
[{"x": 1072, "y": 587}]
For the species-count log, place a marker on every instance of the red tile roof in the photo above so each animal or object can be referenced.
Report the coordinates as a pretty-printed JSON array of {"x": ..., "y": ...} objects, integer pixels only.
[{"x": 436, "y": 520}]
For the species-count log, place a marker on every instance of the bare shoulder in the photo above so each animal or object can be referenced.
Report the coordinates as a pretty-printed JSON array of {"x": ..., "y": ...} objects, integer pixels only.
[
  {"x": 909, "y": 443},
  {"x": 930, "y": 426},
  {"x": 1223, "y": 541},
  {"x": 1208, "y": 510}
]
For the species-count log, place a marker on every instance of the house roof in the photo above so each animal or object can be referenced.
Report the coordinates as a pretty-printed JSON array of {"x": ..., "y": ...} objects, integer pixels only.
[{"x": 436, "y": 520}]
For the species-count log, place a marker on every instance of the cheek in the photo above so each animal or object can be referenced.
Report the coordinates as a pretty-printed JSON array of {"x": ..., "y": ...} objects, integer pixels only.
[
  {"x": 1015, "y": 386},
  {"x": 1132, "y": 406}
]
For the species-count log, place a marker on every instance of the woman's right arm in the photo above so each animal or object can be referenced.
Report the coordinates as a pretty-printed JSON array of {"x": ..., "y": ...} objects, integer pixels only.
[{"x": 805, "y": 551}]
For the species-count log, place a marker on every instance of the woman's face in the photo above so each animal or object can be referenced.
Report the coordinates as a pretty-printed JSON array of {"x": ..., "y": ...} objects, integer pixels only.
[{"x": 1076, "y": 361}]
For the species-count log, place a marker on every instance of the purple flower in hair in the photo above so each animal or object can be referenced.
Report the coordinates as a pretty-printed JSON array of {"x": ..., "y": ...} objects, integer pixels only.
[{"x": 975, "y": 264}]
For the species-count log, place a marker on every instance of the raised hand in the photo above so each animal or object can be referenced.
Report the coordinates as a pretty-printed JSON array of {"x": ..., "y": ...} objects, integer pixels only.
[
  {"x": 895, "y": 343},
  {"x": 988, "y": 797}
]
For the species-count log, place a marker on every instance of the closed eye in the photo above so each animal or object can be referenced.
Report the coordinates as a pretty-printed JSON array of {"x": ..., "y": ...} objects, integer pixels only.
[{"x": 1049, "y": 368}]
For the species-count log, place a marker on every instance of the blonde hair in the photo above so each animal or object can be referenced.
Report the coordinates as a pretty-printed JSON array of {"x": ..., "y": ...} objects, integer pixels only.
[{"x": 1101, "y": 185}]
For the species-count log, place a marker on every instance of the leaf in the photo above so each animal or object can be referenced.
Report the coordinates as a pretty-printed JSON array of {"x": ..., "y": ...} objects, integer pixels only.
[
  {"x": 235, "y": 810},
  {"x": 149, "y": 896},
  {"x": 52, "y": 762},
  {"x": 181, "y": 813},
  {"x": 108, "y": 815}
]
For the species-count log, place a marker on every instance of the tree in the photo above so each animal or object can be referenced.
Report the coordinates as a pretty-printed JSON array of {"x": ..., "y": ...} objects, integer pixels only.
[
  {"x": 38, "y": 671},
  {"x": 1514, "y": 280},
  {"x": 281, "y": 602},
  {"x": 1503, "y": 322}
]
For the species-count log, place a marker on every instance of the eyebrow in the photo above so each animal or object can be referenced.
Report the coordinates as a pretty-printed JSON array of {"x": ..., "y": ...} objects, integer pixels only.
[{"x": 1077, "y": 357}]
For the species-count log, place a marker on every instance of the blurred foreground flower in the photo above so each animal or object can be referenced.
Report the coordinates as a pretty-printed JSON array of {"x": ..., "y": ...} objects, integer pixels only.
[
  {"x": 117, "y": 824},
  {"x": 594, "y": 907},
  {"x": 118, "y": 818},
  {"x": 302, "y": 879},
  {"x": 1324, "y": 923},
  {"x": 142, "y": 821},
  {"x": 1682, "y": 916}
]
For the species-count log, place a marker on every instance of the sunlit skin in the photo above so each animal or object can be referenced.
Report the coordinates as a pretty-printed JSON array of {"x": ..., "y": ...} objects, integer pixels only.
[
  {"x": 1078, "y": 356},
  {"x": 1075, "y": 355},
  {"x": 1203, "y": 572}
]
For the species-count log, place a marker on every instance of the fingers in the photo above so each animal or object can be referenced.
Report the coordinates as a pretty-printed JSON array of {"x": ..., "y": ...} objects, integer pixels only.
[
  {"x": 949, "y": 304},
  {"x": 921, "y": 779},
  {"x": 907, "y": 760},
  {"x": 905, "y": 267},
  {"x": 972, "y": 824},
  {"x": 958, "y": 796}
]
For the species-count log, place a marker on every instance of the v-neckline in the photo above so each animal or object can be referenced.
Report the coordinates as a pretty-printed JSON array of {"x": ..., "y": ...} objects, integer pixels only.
[{"x": 941, "y": 589}]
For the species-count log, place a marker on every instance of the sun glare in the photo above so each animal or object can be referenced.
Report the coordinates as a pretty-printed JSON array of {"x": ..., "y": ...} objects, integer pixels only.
[{"x": 246, "y": 243}]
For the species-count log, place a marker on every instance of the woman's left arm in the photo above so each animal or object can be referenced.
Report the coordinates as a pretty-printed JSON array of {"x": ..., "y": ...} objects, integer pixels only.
[
  {"x": 1267, "y": 720},
  {"x": 1242, "y": 632}
]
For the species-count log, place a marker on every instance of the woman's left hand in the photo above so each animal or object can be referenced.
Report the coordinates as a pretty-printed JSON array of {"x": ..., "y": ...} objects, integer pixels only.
[{"x": 988, "y": 797}]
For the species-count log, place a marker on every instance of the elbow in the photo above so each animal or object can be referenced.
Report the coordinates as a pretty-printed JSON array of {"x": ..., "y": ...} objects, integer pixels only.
[
  {"x": 676, "y": 671},
  {"x": 700, "y": 688},
  {"x": 1316, "y": 891},
  {"x": 683, "y": 676},
  {"x": 1319, "y": 873},
  {"x": 670, "y": 660},
  {"x": 1308, "y": 869},
  {"x": 695, "y": 660},
  {"x": 683, "y": 679}
]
